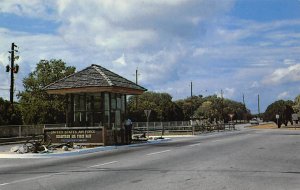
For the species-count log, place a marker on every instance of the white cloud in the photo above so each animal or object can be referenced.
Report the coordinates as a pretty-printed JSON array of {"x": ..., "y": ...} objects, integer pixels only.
[
  {"x": 199, "y": 52},
  {"x": 229, "y": 92},
  {"x": 283, "y": 95},
  {"x": 32, "y": 8},
  {"x": 255, "y": 84},
  {"x": 162, "y": 65},
  {"x": 284, "y": 75},
  {"x": 132, "y": 24},
  {"x": 32, "y": 48},
  {"x": 3, "y": 59},
  {"x": 289, "y": 61},
  {"x": 172, "y": 42},
  {"x": 121, "y": 60}
]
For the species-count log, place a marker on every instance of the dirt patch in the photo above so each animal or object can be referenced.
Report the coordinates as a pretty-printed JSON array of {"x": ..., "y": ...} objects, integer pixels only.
[
  {"x": 265, "y": 126},
  {"x": 274, "y": 126}
]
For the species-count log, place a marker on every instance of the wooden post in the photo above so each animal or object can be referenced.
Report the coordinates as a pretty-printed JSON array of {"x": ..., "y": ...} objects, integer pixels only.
[
  {"x": 20, "y": 131},
  {"x": 104, "y": 136},
  {"x": 193, "y": 130}
]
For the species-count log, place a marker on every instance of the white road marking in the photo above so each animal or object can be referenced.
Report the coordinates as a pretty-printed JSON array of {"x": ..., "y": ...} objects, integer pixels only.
[
  {"x": 107, "y": 163},
  {"x": 195, "y": 144},
  {"x": 158, "y": 152},
  {"x": 27, "y": 179}
]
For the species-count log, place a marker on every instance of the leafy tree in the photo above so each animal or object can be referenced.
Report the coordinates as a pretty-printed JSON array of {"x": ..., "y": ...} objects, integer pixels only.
[
  {"x": 36, "y": 105},
  {"x": 238, "y": 109},
  {"x": 205, "y": 110},
  {"x": 218, "y": 108},
  {"x": 283, "y": 108},
  {"x": 9, "y": 116},
  {"x": 296, "y": 106},
  {"x": 163, "y": 109},
  {"x": 189, "y": 106}
]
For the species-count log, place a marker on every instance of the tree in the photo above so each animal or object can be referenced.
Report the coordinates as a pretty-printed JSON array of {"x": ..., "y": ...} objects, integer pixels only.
[
  {"x": 189, "y": 106},
  {"x": 283, "y": 108},
  {"x": 36, "y": 105},
  {"x": 239, "y": 110},
  {"x": 163, "y": 109},
  {"x": 9, "y": 116},
  {"x": 296, "y": 106},
  {"x": 205, "y": 110},
  {"x": 214, "y": 107}
]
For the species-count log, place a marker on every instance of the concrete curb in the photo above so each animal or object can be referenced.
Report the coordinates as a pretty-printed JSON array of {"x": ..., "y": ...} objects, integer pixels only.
[{"x": 80, "y": 151}]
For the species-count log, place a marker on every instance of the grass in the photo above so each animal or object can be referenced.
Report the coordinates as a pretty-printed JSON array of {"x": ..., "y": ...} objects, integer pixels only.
[{"x": 274, "y": 126}]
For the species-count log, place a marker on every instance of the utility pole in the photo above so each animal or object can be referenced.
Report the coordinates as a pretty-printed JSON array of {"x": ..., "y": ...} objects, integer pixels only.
[
  {"x": 136, "y": 82},
  {"x": 244, "y": 100},
  {"x": 136, "y": 76},
  {"x": 258, "y": 106},
  {"x": 222, "y": 105},
  {"x": 222, "y": 94},
  {"x": 191, "y": 89},
  {"x": 12, "y": 69},
  {"x": 192, "y": 108}
]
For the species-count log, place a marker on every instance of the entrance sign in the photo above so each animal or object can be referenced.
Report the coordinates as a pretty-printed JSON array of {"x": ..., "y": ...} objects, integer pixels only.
[{"x": 79, "y": 135}]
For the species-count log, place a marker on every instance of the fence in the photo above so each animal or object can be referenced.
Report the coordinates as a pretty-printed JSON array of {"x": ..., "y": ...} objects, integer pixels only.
[
  {"x": 55, "y": 125},
  {"x": 154, "y": 128},
  {"x": 177, "y": 128},
  {"x": 10, "y": 131}
]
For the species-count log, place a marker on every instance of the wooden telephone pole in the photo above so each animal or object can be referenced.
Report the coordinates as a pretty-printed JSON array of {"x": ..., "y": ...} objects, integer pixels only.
[
  {"x": 12, "y": 69},
  {"x": 136, "y": 82}
]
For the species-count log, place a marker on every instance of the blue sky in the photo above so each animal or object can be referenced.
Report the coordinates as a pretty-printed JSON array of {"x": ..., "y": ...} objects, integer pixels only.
[{"x": 245, "y": 47}]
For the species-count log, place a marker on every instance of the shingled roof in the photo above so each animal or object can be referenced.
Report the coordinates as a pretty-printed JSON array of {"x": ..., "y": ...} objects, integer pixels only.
[{"x": 94, "y": 79}]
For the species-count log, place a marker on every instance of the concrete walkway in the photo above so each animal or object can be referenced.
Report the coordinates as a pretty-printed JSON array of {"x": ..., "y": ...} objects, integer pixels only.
[{"x": 4, "y": 150}]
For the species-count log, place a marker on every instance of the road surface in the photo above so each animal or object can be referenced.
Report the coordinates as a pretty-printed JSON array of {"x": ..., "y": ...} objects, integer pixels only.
[{"x": 243, "y": 159}]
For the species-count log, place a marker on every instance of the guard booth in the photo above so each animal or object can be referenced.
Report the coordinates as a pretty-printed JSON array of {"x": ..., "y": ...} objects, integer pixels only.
[{"x": 96, "y": 106}]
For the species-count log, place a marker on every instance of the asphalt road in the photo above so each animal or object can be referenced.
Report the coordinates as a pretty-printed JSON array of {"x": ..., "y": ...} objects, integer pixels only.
[{"x": 246, "y": 159}]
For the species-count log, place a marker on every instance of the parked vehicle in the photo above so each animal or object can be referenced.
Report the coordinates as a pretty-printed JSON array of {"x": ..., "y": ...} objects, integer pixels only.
[{"x": 254, "y": 121}]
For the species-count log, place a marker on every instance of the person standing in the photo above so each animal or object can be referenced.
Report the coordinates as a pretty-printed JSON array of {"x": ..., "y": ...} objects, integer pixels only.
[{"x": 128, "y": 131}]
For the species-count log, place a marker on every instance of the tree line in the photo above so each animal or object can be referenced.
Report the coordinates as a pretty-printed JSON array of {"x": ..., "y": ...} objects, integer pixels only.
[
  {"x": 212, "y": 108},
  {"x": 35, "y": 106}
]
